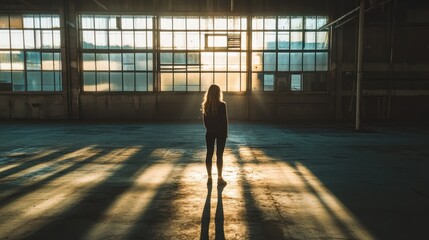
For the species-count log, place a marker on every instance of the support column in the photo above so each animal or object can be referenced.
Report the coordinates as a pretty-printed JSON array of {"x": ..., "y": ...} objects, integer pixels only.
[{"x": 360, "y": 64}]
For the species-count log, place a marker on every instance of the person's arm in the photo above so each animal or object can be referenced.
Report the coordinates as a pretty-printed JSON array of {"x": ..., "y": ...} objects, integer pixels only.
[{"x": 225, "y": 120}]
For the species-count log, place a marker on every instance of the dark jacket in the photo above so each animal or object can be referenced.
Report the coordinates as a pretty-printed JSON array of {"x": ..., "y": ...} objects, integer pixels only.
[{"x": 219, "y": 123}]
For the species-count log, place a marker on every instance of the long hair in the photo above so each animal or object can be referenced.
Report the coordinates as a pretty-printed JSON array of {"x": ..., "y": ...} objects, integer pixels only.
[{"x": 212, "y": 99}]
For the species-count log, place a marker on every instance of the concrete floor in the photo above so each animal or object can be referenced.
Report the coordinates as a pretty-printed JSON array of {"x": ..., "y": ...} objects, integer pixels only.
[{"x": 71, "y": 180}]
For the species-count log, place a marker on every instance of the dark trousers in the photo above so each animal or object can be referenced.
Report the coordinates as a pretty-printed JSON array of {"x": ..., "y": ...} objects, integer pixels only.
[{"x": 220, "y": 140}]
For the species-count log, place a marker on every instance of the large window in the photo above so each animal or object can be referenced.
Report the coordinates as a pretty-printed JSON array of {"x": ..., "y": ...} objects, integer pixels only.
[
  {"x": 286, "y": 48},
  {"x": 30, "y": 52},
  {"x": 196, "y": 52},
  {"x": 117, "y": 52}
]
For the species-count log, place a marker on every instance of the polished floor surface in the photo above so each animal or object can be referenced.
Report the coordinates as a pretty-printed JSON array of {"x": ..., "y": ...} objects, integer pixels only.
[{"x": 74, "y": 180}]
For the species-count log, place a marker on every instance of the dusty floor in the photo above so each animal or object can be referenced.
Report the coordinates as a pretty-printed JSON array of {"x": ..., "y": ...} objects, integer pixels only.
[{"x": 73, "y": 180}]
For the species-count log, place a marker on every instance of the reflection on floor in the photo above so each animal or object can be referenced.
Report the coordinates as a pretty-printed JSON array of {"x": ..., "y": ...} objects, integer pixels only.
[{"x": 148, "y": 181}]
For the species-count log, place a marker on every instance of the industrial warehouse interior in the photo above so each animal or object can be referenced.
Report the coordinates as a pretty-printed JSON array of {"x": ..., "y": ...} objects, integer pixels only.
[{"x": 104, "y": 134}]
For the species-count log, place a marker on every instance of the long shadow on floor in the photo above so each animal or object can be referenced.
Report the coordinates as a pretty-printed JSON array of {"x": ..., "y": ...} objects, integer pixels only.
[{"x": 219, "y": 216}]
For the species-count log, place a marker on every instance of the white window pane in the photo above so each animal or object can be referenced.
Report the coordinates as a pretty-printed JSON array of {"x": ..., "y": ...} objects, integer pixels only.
[
  {"x": 220, "y": 23},
  {"x": 193, "y": 23},
  {"x": 17, "y": 39},
  {"x": 47, "y": 41},
  {"x": 310, "y": 23},
  {"x": 29, "y": 39},
  {"x": 115, "y": 40},
  {"x": 115, "y": 61},
  {"x": 57, "y": 39},
  {"x": 310, "y": 40},
  {"x": 101, "y": 39},
  {"x": 270, "y": 41},
  {"x": 296, "y": 23},
  {"x": 127, "y": 22},
  {"x": 270, "y": 23},
  {"x": 166, "y": 82},
  {"x": 17, "y": 60},
  {"x": 4, "y": 39},
  {"x": 179, "y": 23},
  {"x": 88, "y": 62},
  {"x": 127, "y": 40},
  {"x": 88, "y": 39},
  {"x": 102, "y": 61},
  {"x": 180, "y": 82},
  {"x": 87, "y": 21},
  {"x": 166, "y": 23}
]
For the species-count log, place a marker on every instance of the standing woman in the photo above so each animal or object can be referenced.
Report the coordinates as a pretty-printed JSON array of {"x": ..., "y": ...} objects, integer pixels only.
[{"x": 216, "y": 123}]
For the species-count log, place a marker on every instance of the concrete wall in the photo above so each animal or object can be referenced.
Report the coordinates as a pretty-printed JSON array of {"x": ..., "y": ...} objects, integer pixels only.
[{"x": 33, "y": 106}]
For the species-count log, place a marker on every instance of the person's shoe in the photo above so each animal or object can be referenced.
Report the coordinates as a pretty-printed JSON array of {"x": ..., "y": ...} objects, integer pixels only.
[
  {"x": 220, "y": 181},
  {"x": 209, "y": 181}
]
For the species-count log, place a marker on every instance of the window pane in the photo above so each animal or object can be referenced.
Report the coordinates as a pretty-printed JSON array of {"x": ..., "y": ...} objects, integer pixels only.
[
  {"x": 179, "y": 23},
  {"x": 193, "y": 81},
  {"x": 87, "y": 21},
  {"x": 114, "y": 22},
  {"x": 180, "y": 82},
  {"x": 257, "y": 81},
  {"x": 139, "y": 22},
  {"x": 310, "y": 23},
  {"x": 48, "y": 81},
  {"x": 322, "y": 40},
  {"x": 234, "y": 82},
  {"x": 88, "y": 39},
  {"x": 142, "y": 82},
  {"x": 180, "y": 58},
  {"x": 257, "y": 62},
  {"x": 296, "y": 23},
  {"x": 5, "y": 60},
  {"x": 193, "y": 58},
  {"x": 47, "y": 41},
  {"x": 206, "y": 81},
  {"x": 283, "y": 62},
  {"x": 58, "y": 81},
  {"x": 15, "y": 21},
  {"x": 207, "y": 61},
  {"x": 321, "y": 21},
  {"x": 127, "y": 40},
  {"x": 309, "y": 61},
  {"x": 322, "y": 61},
  {"x": 100, "y": 22},
  {"x": 115, "y": 61},
  {"x": 128, "y": 62},
  {"x": 268, "y": 82},
  {"x": 28, "y": 21},
  {"x": 270, "y": 23},
  {"x": 220, "y": 61},
  {"x": 295, "y": 82},
  {"x": 115, "y": 40},
  {"x": 270, "y": 40},
  {"x": 220, "y": 23},
  {"x": 46, "y": 21},
  {"x": 47, "y": 61},
  {"x": 28, "y": 39},
  {"x": 141, "y": 62},
  {"x": 17, "y": 60},
  {"x": 89, "y": 81},
  {"x": 102, "y": 62},
  {"x": 17, "y": 38},
  {"x": 166, "y": 82},
  {"x": 206, "y": 23},
  {"x": 296, "y": 40},
  {"x": 296, "y": 61},
  {"x": 55, "y": 21},
  {"x": 234, "y": 61},
  {"x": 34, "y": 81},
  {"x": 127, "y": 22},
  {"x": 129, "y": 81},
  {"x": 179, "y": 40},
  {"x": 4, "y": 39},
  {"x": 140, "y": 40},
  {"x": 101, "y": 39},
  {"x": 57, "y": 39},
  {"x": 166, "y": 23},
  {"x": 310, "y": 40},
  {"x": 258, "y": 23},
  {"x": 115, "y": 81},
  {"x": 283, "y": 23},
  {"x": 5, "y": 77},
  {"x": 269, "y": 61},
  {"x": 33, "y": 61},
  {"x": 193, "y": 23},
  {"x": 57, "y": 61},
  {"x": 283, "y": 40},
  {"x": 166, "y": 40},
  {"x": 4, "y": 21},
  {"x": 88, "y": 62},
  {"x": 257, "y": 40},
  {"x": 102, "y": 81},
  {"x": 193, "y": 40},
  {"x": 220, "y": 79},
  {"x": 18, "y": 79}
]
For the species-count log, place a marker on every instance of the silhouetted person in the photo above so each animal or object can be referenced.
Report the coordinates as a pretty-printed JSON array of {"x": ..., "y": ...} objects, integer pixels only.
[{"x": 216, "y": 123}]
